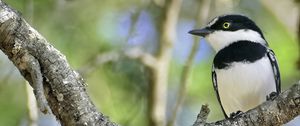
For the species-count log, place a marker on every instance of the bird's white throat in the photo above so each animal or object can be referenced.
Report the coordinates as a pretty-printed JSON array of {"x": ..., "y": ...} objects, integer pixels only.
[{"x": 221, "y": 39}]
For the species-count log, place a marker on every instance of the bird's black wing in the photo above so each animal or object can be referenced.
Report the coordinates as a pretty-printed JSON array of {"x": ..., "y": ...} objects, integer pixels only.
[
  {"x": 275, "y": 68},
  {"x": 215, "y": 84}
]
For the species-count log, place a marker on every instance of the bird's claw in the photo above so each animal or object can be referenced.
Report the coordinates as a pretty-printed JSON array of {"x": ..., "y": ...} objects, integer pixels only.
[
  {"x": 272, "y": 96},
  {"x": 235, "y": 114}
]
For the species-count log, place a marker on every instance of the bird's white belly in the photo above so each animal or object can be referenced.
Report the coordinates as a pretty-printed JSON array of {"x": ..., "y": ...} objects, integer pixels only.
[{"x": 243, "y": 86}]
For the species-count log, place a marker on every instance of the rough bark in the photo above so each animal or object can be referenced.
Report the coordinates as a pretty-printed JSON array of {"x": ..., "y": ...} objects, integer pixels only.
[
  {"x": 38, "y": 61},
  {"x": 281, "y": 110}
]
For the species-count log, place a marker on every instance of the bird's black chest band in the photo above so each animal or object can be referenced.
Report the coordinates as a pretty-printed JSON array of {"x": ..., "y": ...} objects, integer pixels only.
[{"x": 240, "y": 51}]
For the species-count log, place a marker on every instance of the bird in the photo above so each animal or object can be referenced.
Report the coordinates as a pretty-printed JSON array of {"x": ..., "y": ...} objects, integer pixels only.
[{"x": 245, "y": 70}]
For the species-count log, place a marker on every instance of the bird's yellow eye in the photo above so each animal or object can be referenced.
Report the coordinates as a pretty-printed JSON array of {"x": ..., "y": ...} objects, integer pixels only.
[{"x": 226, "y": 25}]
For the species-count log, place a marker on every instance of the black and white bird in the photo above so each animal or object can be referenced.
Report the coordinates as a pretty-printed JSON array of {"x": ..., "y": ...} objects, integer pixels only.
[{"x": 245, "y": 69}]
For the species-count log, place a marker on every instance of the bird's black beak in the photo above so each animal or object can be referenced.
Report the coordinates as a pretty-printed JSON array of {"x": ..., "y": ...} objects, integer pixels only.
[{"x": 201, "y": 32}]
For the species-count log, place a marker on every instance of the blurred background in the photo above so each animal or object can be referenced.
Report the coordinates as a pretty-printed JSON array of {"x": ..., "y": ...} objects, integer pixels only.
[{"x": 113, "y": 44}]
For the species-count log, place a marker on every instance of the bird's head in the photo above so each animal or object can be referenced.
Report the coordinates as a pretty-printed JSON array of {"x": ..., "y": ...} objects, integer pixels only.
[{"x": 226, "y": 29}]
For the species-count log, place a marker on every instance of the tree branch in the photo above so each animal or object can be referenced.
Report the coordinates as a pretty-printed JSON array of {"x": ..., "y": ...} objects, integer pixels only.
[
  {"x": 113, "y": 56},
  {"x": 202, "y": 116},
  {"x": 64, "y": 88},
  {"x": 146, "y": 58},
  {"x": 202, "y": 10},
  {"x": 158, "y": 88},
  {"x": 281, "y": 110},
  {"x": 39, "y": 62}
]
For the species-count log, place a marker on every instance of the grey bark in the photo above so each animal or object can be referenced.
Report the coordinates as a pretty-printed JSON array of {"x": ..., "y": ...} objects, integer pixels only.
[{"x": 44, "y": 67}]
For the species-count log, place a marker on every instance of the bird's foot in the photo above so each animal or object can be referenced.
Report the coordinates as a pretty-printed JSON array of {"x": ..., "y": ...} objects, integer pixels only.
[
  {"x": 235, "y": 114},
  {"x": 272, "y": 96}
]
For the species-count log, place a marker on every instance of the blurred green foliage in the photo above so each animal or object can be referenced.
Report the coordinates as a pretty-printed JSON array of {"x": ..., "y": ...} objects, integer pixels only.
[
  {"x": 83, "y": 29},
  {"x": 12, "y": 104}
]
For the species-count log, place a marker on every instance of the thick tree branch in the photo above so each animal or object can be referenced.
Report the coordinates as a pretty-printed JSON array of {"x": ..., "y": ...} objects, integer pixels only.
[
  {"x": 64, "y": 88},
  {"x": 39, "y": 62},
  {"x": 32, "y": 108},
  {"x": 271, "y": 113}
]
